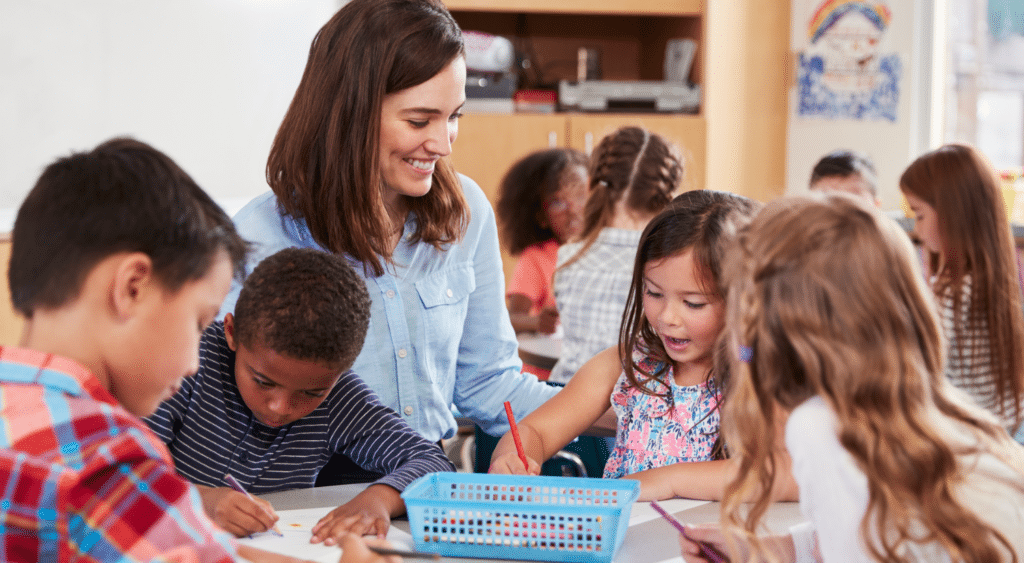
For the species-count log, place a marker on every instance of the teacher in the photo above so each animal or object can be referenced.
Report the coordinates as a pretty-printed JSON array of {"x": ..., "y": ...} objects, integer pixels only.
[{"x": 359, "y": 167}]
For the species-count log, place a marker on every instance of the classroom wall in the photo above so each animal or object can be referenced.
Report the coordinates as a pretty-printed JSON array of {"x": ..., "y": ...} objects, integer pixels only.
[
  {"x": 915, "y": 35},
  {"x": 206, "y": 81}
]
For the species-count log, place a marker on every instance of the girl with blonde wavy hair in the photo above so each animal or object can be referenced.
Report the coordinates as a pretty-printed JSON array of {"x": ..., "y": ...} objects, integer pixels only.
[{"x": 831, "y": 328}]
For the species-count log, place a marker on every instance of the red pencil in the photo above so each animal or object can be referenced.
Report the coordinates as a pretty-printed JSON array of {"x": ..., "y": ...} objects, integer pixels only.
[{"x": 515, "y": 434}]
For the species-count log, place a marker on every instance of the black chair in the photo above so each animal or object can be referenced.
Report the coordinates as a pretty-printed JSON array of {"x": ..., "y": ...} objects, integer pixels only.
[{"x": 340, "y": 470}]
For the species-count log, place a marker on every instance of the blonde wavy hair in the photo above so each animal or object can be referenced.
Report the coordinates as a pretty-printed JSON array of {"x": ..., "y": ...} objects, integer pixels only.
[{"x": 825, "y": 297}]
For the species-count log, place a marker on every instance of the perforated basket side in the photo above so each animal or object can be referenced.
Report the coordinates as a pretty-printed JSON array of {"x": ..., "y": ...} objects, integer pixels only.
[{"x": 515, "y": 517}]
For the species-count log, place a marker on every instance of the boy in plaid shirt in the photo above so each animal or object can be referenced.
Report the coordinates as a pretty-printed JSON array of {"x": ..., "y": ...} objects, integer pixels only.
[{"x": 119, "y": 262}]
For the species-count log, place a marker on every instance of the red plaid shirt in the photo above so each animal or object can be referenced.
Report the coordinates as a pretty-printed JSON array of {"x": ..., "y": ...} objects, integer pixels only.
[{"x": 81, "y": 479}]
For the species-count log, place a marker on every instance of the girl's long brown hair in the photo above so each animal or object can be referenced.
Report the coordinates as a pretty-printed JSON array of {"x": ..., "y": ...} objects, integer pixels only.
[
  {"x": 701, "y": 221},
  {"x": 827, "y": 299},
  {"x": 963, "y": 191},
  {"x": 324, "y": 165},
  {"x": 632, "y": 164}
]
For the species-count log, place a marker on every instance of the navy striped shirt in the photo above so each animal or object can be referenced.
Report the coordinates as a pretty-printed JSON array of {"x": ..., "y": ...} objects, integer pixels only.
[{"x": 211, "y": 432}]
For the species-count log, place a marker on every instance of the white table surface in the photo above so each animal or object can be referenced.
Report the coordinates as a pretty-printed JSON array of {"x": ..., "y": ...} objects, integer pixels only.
[{"x": 649, "y": 539}]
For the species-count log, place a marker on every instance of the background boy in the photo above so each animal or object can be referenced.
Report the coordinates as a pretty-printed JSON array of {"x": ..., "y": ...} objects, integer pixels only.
[
  {"x": 846, "y": 171},
  {"x": 119, "y": 260},
  {"x": 274, "y": 400}
]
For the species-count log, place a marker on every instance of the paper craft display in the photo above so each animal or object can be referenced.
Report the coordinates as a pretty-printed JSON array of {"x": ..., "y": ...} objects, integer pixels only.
[
  {"x": 845, "y": 71},
  {"x": 296, "y": 528}
]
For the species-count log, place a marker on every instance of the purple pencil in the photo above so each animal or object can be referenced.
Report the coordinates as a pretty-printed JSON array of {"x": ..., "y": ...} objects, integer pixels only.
[{"x": 708, "y": 551}]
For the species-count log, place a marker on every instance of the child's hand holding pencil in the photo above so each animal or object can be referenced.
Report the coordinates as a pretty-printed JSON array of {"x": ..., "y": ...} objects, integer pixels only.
[
  {"x": 513, "y": 462},
  {"x": 238, "y": 512}
]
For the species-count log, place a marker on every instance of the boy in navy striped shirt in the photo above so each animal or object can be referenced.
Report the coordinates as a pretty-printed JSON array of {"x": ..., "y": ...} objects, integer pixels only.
[{"x": 274, "y": 399}]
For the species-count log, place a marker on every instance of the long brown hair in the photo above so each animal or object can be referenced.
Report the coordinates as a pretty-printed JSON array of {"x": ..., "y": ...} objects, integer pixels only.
[
  {"x": 962, "y": 189},
  {"x": 825, "y": 298},
  {"x": 324, "y": 164},
  {"x": 700, "y": 221},
  {"x": 631, "y": 163}
]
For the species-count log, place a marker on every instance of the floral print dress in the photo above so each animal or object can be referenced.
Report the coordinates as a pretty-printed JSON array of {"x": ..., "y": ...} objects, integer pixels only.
[{"x": 652, "y": 433}]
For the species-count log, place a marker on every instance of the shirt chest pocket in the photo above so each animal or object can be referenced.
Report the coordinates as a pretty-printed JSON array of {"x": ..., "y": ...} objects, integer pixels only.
[{"x": 445, "y": 299}]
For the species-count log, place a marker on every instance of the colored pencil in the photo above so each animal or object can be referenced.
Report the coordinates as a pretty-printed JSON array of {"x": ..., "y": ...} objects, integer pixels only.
[
  {"x": 710, "y": 552},
  {"x": 515, "y": 435},
  {"x": 234, "y": 484},
  {"x": 403, "y": 553}
]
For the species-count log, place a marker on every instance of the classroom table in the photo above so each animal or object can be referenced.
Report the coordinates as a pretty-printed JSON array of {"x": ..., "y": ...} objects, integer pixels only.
[
  {"x": 539, "y": 350},
  {"x": 649, "y": 539}
]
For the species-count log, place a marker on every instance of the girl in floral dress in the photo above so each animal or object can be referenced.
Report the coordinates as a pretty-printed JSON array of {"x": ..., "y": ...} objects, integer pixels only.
[{"x": 659, "y": 380}]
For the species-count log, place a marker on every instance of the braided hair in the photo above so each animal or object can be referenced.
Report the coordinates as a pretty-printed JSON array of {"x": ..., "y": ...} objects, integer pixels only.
[{"x": 633, "y": 165}]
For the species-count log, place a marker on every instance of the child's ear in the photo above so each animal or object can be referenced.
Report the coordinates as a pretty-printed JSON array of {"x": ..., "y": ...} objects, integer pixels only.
[
  {"x": 229, "y": 331},
  {"x": 133, "y": 282}
]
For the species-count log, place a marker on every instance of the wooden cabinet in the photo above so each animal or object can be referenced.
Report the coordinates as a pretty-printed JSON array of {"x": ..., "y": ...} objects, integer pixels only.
[{"x": 631, "y": 38}]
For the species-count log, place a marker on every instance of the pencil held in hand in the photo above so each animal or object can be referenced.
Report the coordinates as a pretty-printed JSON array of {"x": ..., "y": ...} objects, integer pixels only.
[
  {"x": 515, "y": 435},
  {"x": 708, "y": 551},
  {"x": 234, "y": 484}
]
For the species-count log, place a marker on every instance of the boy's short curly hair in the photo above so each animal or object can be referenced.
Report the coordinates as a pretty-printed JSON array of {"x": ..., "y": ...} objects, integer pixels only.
[{"x": 305, "y": 304}]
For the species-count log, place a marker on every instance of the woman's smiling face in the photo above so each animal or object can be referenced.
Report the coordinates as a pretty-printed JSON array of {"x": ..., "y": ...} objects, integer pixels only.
[{"x": 417, "y": 127}]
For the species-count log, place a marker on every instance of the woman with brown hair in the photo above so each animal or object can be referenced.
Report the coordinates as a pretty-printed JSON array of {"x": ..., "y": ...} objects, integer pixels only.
[{"x": 360, "y": 168}]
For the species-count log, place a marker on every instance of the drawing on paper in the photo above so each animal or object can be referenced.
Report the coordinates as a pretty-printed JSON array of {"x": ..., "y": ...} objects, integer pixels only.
[{"x": 844, "y": 73}]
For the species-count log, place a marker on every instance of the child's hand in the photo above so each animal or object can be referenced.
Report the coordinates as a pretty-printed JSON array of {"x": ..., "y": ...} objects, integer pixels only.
[
  {"x": 354, "y": 549},
  {"x": 510, "y": 464},
  {"x": 237, "y": 512},
  {"x": 547, "y": 320},
  {"x": 708, "y": 543},
  {"x": 367, "y": 514},
  {"x": 703, "y": 545}
]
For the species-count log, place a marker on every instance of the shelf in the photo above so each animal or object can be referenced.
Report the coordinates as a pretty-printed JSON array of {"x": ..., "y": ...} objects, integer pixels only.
[
  {"x": 650, "y": 7},
  {"x": 632, "y": 45}
]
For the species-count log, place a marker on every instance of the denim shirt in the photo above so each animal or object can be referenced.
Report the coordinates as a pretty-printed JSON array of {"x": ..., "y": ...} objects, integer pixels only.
[{"x": 439, "y": 333}]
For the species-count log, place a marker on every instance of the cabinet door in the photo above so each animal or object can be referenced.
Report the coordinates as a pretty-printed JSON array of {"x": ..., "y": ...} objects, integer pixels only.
[
  {"x": 488, "y": 144},
  {"x": 686, "y": 131}
]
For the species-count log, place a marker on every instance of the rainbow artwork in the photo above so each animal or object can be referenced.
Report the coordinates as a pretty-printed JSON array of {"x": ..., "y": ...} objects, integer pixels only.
[{"x": 831, "y": 11}]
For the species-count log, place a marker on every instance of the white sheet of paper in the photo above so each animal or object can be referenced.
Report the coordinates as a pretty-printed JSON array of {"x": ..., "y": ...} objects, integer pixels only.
[
  {"x": 642, "y": 511},
  {"x": 296, "y": 529}
]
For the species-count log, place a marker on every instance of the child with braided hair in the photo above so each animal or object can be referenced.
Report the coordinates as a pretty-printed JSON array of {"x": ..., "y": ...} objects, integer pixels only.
[
  {"x": 633, "y": 175},
  {"x": 659, "y": 379}
]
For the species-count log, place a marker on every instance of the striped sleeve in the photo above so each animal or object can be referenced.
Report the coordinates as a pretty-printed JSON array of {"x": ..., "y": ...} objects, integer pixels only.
[{"x": 375, "y": 438}]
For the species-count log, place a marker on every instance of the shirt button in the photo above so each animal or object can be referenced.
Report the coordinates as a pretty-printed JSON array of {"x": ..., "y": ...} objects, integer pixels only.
[
  {"x": 402, "y": 353},
  {"x": 390, "y": 293},
  {"x": 449, "y": 293},
  {"x": 407, "y": 411}
]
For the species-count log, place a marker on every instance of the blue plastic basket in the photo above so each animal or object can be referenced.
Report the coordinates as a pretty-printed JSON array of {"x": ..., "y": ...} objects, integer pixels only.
[{"x": 518, "y": 517}]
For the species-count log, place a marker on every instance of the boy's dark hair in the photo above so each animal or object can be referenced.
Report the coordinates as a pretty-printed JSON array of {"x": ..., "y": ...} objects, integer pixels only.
[
  {"x": 843, "y": 163},
  {"x": 122, "y": 196},
  {"x": 522, "y": 192},
  {"x": 305, "y": 304}
]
